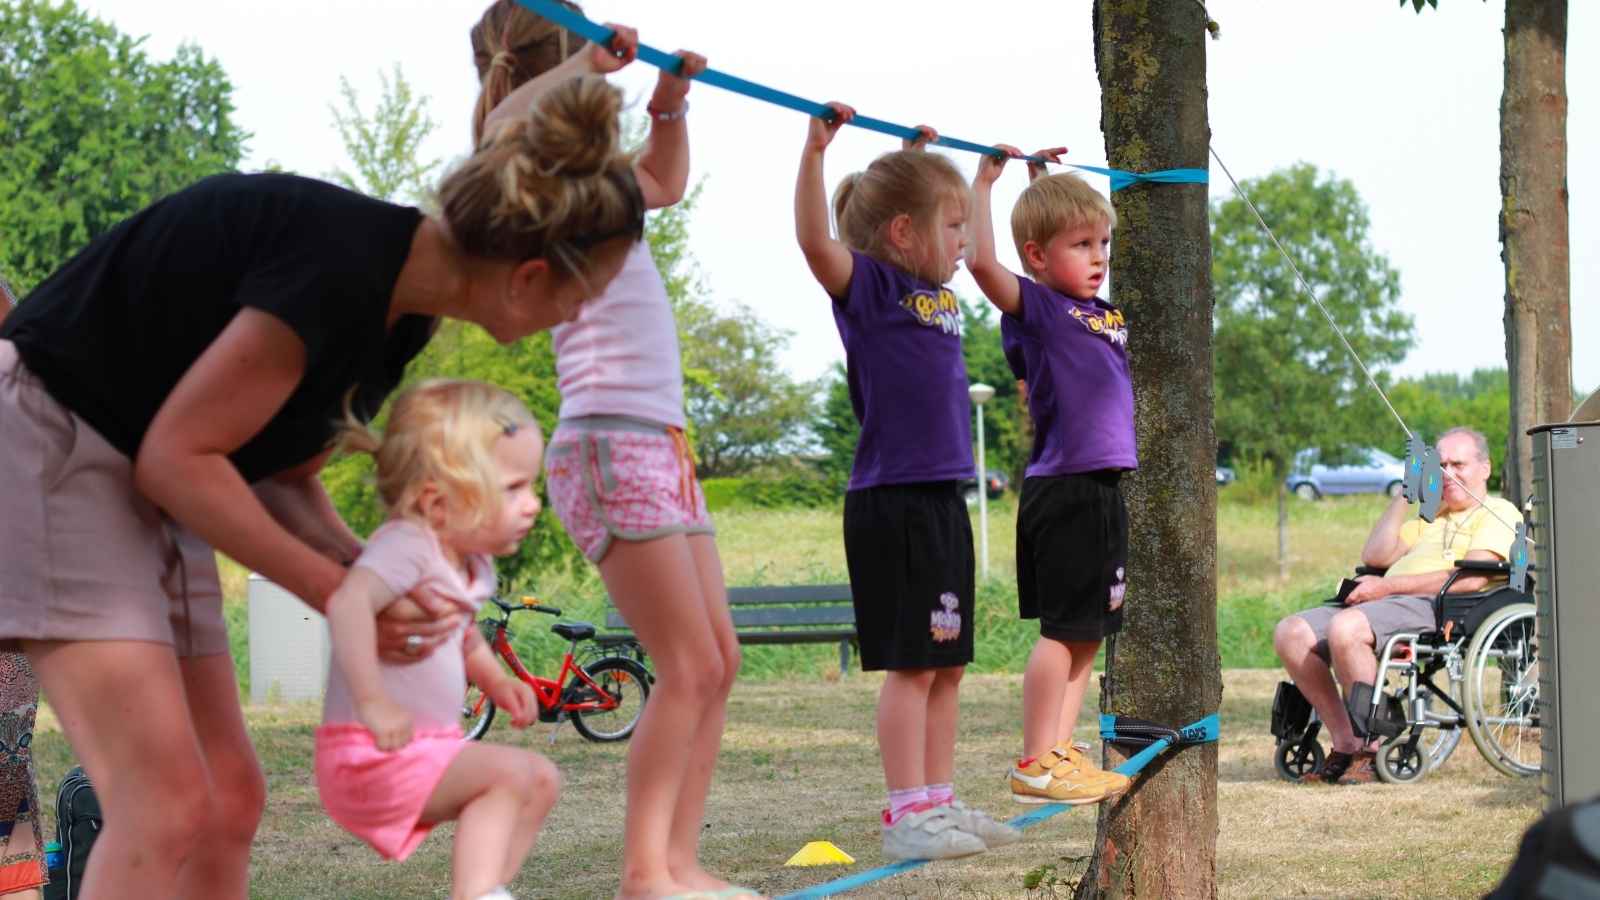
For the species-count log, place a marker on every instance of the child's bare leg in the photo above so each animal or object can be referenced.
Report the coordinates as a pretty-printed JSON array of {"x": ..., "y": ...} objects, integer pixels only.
[
  {"x": 944, "y": 707},
  {"x": 1082, "y": 653},
  {"x": 903, "y": 727},
  {"x": 486, "y": 790},
  {"x": 536, "y": 808},
  {"x": 1044, "y": 689},
  {"x": 656, "y": 586},
  {"x": 683, "y": 844}
]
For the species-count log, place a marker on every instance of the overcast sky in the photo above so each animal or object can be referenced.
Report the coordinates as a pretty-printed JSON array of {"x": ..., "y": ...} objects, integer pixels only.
[{"x": 1404, "y": 106}]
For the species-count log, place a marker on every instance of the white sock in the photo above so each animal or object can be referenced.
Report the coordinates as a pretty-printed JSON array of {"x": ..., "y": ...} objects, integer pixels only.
[{"x": 499, "y": 893}]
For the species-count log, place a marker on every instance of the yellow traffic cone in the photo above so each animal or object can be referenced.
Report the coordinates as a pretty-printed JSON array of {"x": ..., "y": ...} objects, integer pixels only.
[{"x": 820, "y": 853}]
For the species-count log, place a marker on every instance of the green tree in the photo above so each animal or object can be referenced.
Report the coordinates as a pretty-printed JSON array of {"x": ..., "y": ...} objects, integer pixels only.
[
  {"x": 746, "y": 410},
  {"x": 94, "y": 130},
  {"x": 1283, "y": 378},
  {"x": 384, "y": 145}
]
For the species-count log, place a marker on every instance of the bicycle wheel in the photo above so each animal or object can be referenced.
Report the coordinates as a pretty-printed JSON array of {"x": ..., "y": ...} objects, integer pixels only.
[
  {"x": 1503, "y": 691},
  {"x": 625, "y": 681},
  {"x": 477, "y": 711}
]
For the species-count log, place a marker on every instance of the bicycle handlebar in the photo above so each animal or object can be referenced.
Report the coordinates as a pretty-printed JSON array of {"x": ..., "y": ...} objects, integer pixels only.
[{"x": 526, "y": 603}]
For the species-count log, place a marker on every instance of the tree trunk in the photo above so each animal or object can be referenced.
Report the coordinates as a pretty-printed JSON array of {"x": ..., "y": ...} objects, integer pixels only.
[
  {"x": 1533, "y": 228},
  {"x": 1283, "y": 531},
  {"x": 1160, "y": 840}
]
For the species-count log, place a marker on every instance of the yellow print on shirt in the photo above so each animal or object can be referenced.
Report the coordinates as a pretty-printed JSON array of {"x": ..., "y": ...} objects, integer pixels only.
[
  {"x": 1109, "y": 324},
  {"x": 935, "y": 310}
]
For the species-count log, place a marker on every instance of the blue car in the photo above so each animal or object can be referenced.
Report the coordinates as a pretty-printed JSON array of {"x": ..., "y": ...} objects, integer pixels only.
[{"x": 1360, "y": 471}]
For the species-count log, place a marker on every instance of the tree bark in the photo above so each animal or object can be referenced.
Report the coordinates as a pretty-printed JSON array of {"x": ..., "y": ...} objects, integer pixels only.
[
  {"x": 1160, "y": 839},
  {"x": 1533, "y": 228}
]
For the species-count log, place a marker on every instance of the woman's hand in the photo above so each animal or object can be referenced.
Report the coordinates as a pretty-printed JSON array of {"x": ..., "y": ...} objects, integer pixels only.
[
  {"x": 672, "y": 88},
  {"x": 411, "y": 628},
  {"x": 388, "y": 721},
  {"x": 612, "y": 57},
  {"x": 822, "y": 130}
]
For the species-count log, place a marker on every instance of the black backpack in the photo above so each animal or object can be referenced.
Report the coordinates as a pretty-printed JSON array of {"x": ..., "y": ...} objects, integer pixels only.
[{"x": 78, "y": 822}]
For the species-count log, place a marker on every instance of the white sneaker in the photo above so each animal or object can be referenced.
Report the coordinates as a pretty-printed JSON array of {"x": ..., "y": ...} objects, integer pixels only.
[
  {"x": 976, "y": 821},
  {"x": 499, "y": 893},
  {"x": 931, "y": 833}
]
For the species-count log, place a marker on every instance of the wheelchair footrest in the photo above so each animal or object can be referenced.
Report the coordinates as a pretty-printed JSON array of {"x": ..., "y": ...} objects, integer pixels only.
[{"x": 1385, "y": 719}]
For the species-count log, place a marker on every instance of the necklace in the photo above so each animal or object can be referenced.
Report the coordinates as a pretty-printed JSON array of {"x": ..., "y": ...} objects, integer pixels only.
[{"x": 1452, "y": 530}]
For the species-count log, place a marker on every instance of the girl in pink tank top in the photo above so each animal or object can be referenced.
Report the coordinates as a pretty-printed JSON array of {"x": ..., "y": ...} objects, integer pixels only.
[{"x": 621, "y": 477}]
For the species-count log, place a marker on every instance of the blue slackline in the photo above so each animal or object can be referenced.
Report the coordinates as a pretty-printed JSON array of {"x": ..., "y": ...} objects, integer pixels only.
[
  {"x": 601, "y": 35},
  {"x": 1202, "y": 731}
]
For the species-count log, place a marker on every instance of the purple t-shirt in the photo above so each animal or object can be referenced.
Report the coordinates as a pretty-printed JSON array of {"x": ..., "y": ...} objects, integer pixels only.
[
  {"x": 1075, "y": 353},
  {"x": 907, "y": 377}
]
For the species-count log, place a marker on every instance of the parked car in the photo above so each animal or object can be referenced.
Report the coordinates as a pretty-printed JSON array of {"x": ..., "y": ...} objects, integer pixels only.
[
  {"x": 997, "y": 483},
  {"x": 1366, "y": 470},
  {"x": 1225, "y": 475}
]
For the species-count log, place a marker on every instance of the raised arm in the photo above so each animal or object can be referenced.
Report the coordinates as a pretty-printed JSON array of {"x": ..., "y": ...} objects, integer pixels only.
[
  {"x": 997, "y": 282},
  {"x": 595, "y": 60},
  {"x": 830, "y": 260},
  {"x": 351, "y": 611},
  {"x": 662, "y": 169},
  {"x": 1384, "y": 546}
]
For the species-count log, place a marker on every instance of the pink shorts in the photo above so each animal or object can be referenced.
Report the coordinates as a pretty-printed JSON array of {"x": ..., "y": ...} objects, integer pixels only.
[
  {"x": 83, "y": 555},
  {"x": 612, "y": 477},
  {"x": 379, "y": 796}
]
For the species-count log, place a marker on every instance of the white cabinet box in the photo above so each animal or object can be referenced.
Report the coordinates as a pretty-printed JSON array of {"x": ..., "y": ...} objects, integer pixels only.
[{"x": 289, "y": 646}]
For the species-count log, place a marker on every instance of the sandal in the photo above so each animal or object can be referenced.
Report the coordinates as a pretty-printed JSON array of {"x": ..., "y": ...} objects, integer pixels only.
[{"x": 1333, "y": 769}]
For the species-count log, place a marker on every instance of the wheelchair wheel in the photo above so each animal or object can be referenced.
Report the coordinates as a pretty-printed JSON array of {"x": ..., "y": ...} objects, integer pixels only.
[
  {"x": 1401, "y": 762},
  {"x": 1503, "y": 690},
  {"x": 1297, "y": 760}
]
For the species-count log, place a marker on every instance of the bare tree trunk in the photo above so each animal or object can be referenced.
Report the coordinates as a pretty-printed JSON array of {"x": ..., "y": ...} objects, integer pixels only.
[
  {"x": 1160, "y": 840},
  {"x": 1283, "y": 531},
  {"x": 1533, "y": 227}
]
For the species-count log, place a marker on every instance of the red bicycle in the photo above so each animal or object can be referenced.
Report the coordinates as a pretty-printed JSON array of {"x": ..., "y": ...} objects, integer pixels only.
[{"x": 603, "y": 696}]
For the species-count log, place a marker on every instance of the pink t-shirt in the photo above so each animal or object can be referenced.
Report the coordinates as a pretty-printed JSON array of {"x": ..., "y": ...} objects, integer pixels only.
[
  {"x": 620, "y": 356},
  {"x": 406, "y": 555}
]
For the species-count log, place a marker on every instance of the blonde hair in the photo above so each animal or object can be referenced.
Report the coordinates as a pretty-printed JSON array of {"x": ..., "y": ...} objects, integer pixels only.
[
  {"x": 555, "y": 185},
  {"x": 1053, "y": 203},
  {"x": 440, "y": 432},
  {"x": 511, "y": 45},
  {"x": 904, "y": 182}
]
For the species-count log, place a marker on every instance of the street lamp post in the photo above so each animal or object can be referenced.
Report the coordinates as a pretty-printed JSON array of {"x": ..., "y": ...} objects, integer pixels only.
[{"x": 980, "y": 394}]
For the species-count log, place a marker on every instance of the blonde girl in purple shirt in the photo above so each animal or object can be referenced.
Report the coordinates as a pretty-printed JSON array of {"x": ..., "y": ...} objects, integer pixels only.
[{"x": 908, "y": 541}]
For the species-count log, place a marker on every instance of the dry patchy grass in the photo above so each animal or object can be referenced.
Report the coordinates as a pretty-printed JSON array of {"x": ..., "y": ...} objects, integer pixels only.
[{"x": 799, "y": 763}]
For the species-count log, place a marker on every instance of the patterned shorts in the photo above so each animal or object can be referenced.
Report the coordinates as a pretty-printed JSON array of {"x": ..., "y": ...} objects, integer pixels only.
[{"x": 610, "y": 477}]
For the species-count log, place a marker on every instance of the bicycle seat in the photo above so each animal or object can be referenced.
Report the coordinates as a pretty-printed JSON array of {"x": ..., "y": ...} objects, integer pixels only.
[{"x": 574, "y": 631}]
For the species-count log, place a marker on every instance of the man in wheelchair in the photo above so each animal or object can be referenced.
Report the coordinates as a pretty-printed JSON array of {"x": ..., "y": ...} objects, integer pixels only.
[{"x": 1416, "y": 559}]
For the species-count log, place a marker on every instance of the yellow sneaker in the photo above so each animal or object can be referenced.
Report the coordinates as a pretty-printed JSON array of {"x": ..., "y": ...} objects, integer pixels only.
[
  {"x": 1051, "y": 779},
  {"x": 1073, "y": 755}
]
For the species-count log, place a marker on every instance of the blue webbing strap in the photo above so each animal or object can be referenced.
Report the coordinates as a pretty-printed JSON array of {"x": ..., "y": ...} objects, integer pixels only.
[
  {"x": 1200, "y": 731},
  {"x": 601, "y": 35}
]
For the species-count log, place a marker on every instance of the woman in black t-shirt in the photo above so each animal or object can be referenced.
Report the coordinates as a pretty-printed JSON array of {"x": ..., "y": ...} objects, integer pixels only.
[{"x": 173, "y": 388}]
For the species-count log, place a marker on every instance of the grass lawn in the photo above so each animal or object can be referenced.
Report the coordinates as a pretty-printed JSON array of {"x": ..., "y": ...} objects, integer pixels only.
[
  {"x": 800, "y": 740},
  {"x": 805, "y": 746}
]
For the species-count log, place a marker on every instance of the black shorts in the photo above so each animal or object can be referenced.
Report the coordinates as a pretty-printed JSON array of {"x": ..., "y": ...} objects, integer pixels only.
[
  {"x": 909, "y": 549},
  {"x": 1072, "y": 554}
]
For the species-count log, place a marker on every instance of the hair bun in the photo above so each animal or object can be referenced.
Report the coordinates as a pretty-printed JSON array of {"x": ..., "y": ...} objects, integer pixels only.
[{"x": 574, "y": 129}]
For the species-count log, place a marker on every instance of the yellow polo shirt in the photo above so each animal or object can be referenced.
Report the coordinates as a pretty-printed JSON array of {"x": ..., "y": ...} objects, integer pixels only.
[{"x": 1436, "y": 545}]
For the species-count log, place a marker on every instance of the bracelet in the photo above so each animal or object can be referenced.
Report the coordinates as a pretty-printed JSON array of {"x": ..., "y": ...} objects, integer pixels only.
[{"x": 674, "y": 116}]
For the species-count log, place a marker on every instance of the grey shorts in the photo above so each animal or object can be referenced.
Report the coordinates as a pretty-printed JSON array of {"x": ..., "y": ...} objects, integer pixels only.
[
  {"x": 1386, "y": 617},
  {"x": 83, "y": 555}
]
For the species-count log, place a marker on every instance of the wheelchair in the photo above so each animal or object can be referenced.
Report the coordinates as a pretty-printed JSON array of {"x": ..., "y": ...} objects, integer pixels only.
[{"x": 1485, "y": 646}]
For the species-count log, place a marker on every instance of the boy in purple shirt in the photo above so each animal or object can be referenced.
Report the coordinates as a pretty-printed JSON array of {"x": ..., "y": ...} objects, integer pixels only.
[{"x": 1072, "y": 527}]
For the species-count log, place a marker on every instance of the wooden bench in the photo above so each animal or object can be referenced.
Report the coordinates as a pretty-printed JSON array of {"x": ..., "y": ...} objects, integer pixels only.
[{"x": 798, "y": 614}]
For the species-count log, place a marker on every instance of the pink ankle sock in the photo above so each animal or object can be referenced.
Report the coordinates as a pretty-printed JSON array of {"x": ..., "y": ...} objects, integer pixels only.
[
  {"x": 941, "y": 794},
  {"x": 904, "y": 801}
]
